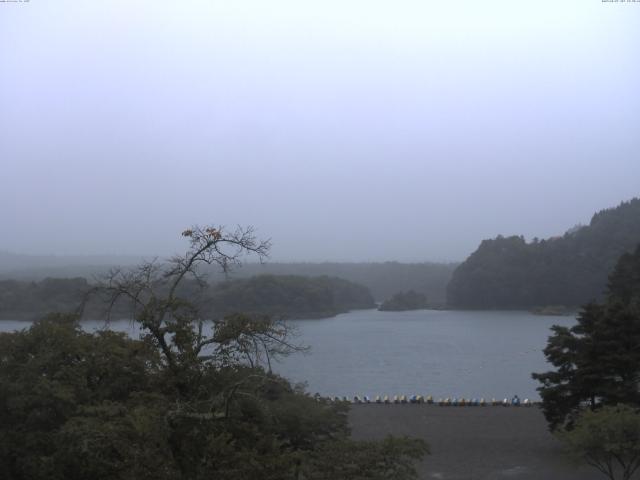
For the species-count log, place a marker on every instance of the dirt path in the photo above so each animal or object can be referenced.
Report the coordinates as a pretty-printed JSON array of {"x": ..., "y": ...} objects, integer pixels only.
[{"x": 479, "y": 443}]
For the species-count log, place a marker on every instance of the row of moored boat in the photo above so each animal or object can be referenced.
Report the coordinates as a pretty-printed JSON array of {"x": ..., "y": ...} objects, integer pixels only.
[{"x": 444, "y": 402}]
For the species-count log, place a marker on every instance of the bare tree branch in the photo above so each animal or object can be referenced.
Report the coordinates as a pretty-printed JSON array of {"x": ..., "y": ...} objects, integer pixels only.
[{"x": 155, "y": 292}]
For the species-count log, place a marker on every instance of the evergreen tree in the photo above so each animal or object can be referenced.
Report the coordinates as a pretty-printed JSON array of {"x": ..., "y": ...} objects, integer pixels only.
[{"x": 598, "y": 360}]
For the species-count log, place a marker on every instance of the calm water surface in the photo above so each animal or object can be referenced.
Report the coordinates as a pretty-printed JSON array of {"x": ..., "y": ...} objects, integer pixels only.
[{"x": 439, "y": 353}]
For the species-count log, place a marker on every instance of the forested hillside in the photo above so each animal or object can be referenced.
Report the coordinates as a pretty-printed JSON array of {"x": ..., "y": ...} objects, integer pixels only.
[
  {"x": 509, "y": 272},
  {"x": 293, "y": 296},
  {"x": 383, "y": 279},
  {"x": 279, "y": 295}
]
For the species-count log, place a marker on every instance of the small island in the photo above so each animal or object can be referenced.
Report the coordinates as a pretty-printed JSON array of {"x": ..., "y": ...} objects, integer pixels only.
[{"x": 403, "y": 301}]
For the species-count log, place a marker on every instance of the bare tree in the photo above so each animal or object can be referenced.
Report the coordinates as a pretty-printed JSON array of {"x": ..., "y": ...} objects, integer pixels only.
[
  {"x": 173, "y": 320},
  {"x": 255, "y": 339}
]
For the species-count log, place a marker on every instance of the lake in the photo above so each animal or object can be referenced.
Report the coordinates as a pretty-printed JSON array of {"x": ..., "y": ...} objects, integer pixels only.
[{"x": 427, "y": 352}]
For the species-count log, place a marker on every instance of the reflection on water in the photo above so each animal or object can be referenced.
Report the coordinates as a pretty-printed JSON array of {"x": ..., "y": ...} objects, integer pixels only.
[{"x": 439, "y": 353}]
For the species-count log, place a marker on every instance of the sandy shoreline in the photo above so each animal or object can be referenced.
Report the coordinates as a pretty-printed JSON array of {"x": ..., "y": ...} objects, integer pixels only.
[{"x": 480, "y": 443}]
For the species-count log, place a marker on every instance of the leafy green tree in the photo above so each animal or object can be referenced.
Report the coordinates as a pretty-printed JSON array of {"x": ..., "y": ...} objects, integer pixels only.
[
  {"x": 190, "y": 400},
  {"x": 608, "y": 439},
  {"x": 597, "y": 361},
  {"x": 55, "y": 374}
]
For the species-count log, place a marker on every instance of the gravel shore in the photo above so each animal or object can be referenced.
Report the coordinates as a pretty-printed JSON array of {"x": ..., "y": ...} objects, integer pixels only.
[{"x": 479, "y": 443}]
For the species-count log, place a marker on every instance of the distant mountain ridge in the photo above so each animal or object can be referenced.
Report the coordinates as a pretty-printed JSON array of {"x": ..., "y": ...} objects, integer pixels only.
[
  {"x": 508, "y": 272},
  {"x": 382, "y": 278}
]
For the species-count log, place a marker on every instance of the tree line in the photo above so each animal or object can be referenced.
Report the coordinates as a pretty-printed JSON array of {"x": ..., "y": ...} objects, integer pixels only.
[
  {"x": 293, "y": 296},
  {"x": 383, "y": 279},
  {"x": 281, "y": 295}
]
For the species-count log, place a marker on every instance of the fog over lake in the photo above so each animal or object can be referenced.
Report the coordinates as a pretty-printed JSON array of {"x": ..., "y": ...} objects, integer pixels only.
[
  {"x": 428, "y": 352},
  {"x": 344, "y": 131}
]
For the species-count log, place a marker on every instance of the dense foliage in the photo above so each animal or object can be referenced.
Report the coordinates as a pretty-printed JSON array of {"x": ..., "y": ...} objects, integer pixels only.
[
  {"x": 401, "y": 301},
  {"x": 597, "y": 362},
  {"x": 76, "y": 405},
  {"x": 608, "y": 439},
  {"x": 571, "y": 270},
  {"x": 289, "y": 295},
  {"x": 191, "y": 399}
]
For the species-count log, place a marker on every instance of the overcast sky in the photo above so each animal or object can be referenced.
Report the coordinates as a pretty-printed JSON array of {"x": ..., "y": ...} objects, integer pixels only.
[{"x": 343, "y": 130}]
